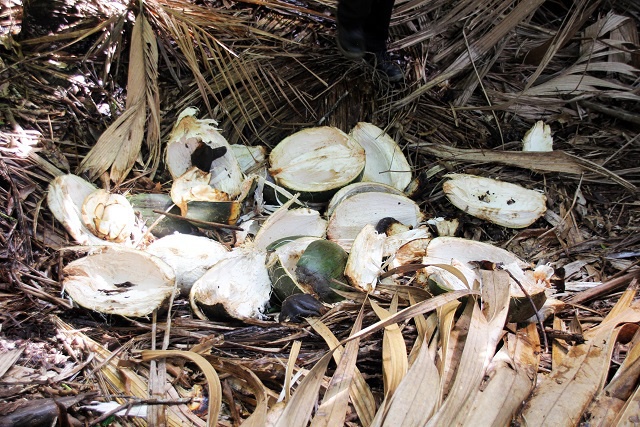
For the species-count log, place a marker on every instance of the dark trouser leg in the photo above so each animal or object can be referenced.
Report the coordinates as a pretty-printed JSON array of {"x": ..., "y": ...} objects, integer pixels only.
[
  {"x": 352, "y": 14},
  {"x": 376, "y": 26}
]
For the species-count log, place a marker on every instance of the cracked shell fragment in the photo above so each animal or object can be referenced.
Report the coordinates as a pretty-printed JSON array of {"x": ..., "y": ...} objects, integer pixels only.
[
  {"x": 121, "y": 281},
  {"x": 237, "y": 286},
  {"x": 499, "y": 202}
]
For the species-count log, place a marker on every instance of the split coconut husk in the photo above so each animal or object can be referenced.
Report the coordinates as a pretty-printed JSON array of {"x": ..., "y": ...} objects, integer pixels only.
[
  {"x": 108, "y": 216},
  {"x": 499, "y": 202},
  {"x": 92, "y": 216},
  {"x": 282, "y": 266},
  {"x": 237, "y": 286},
  {"x": 189, "y": 256},
  {"x": 121, "y": 281},
  {"x": 317, "y": 162},
  {"x": 285, "y": 222},
  {"x": 65, "y": 197},
  {"x": 198, "y": 141},
  {"x": 385, "y": 161},
  {"x": 364, "y": 264},
  {"x": 353, "y": 213},
  {"x": 356, "y": 188},
  {"x": 145, "y": 205},
  {"x": 467, "y": 257},
  {"x": 320, "y": 268}
]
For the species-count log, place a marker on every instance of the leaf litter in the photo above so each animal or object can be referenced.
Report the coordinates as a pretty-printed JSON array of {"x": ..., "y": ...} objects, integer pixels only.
[{"x": 398, "y": 355}]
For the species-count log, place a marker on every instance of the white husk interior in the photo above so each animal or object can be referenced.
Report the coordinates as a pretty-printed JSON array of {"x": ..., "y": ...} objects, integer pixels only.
[
  {"x": 499, "y": 202},
  {"x": 226, "y": 174},
  {"x": 538, "y": 138},
  {"x": 356, "y": 188},
  {"x": 239, "y": 282},
  {"x": 353, "y": 213},
  {"x": 394, "y": 242},
  {"x": 365, "y": 259},
  {"x": 65, "y": 197},
  {"x": 285, "y": 222},
  {"x": 385, "y": 161},
  {"x": 89, "y": 280},
  {"x": 462, "y": 253},
  {"x": 316, "y": 159},
  {"x": 193, "y": 185},
  {"x": 189, "y": 256},
  {"x": 108, "y": 216}
]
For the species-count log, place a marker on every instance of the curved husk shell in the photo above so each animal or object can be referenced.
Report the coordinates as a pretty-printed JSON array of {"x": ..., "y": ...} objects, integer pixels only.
[
  {"x": 499, "y": 202},
  {"x": 365, "y": 259},
  {"x": 385, "y": 162},
  {"x": 65, "y": 197},
  {"x": 237, "y": 286},
  {"x": 187, "y": 135},
  {"x": 108, "y": 216},
  {"x": 357, "y": 188},
  {"x": 121, "y": 281},
  {"x": 353, "y": 213},
  {"x": 285, "y": 222},
  {"x": 219, "y": 212},
  {"x": 464, "y": 254},
  {"x": 317, "y": 162},
  {"x": 321, "y": 262},
  {"x": 189, "y": 256}
]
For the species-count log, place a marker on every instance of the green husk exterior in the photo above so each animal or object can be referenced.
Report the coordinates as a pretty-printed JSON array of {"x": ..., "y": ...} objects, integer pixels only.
[{"x": 320, "y": 263}]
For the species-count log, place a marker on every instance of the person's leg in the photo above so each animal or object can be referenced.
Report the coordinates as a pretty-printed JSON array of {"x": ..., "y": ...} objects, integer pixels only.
[
  {"x": 376, "y": 33},
  {"x": 376, "y": 25},
  {"x": 352, "y": 15}
]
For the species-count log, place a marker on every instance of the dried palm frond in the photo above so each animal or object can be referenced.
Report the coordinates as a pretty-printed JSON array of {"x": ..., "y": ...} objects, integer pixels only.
[{"x": 119, "y": 146}]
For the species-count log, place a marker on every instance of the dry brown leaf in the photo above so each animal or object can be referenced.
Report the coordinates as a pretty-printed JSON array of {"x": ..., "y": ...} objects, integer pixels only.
[
  {"x": 113, "y": 379},
  {"x": 333, "y": 409},
  {"x": 564, "y": 394},
  {"x": 395, "y": 362},
  {"x": 359, "y": 390},
  {"x": 119, "y": 146},
  {"x": 479, "y": 347},
  {"x": 415, "y": 397},
  {"x": 555, "y": 161},
  {"x": 509, "y": 380},
  {"x": 259, "y": 416},
  {"x": 215, "y": 390},
  {"x": 478, "y": 48}
]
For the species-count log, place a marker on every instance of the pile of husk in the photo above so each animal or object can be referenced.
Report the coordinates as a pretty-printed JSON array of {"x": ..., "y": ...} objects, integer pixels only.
[{"x": 95, "y": 88}]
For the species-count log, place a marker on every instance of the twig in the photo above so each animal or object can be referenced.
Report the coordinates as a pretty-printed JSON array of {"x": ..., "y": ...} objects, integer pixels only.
[{"x": 604, "y": 289}]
